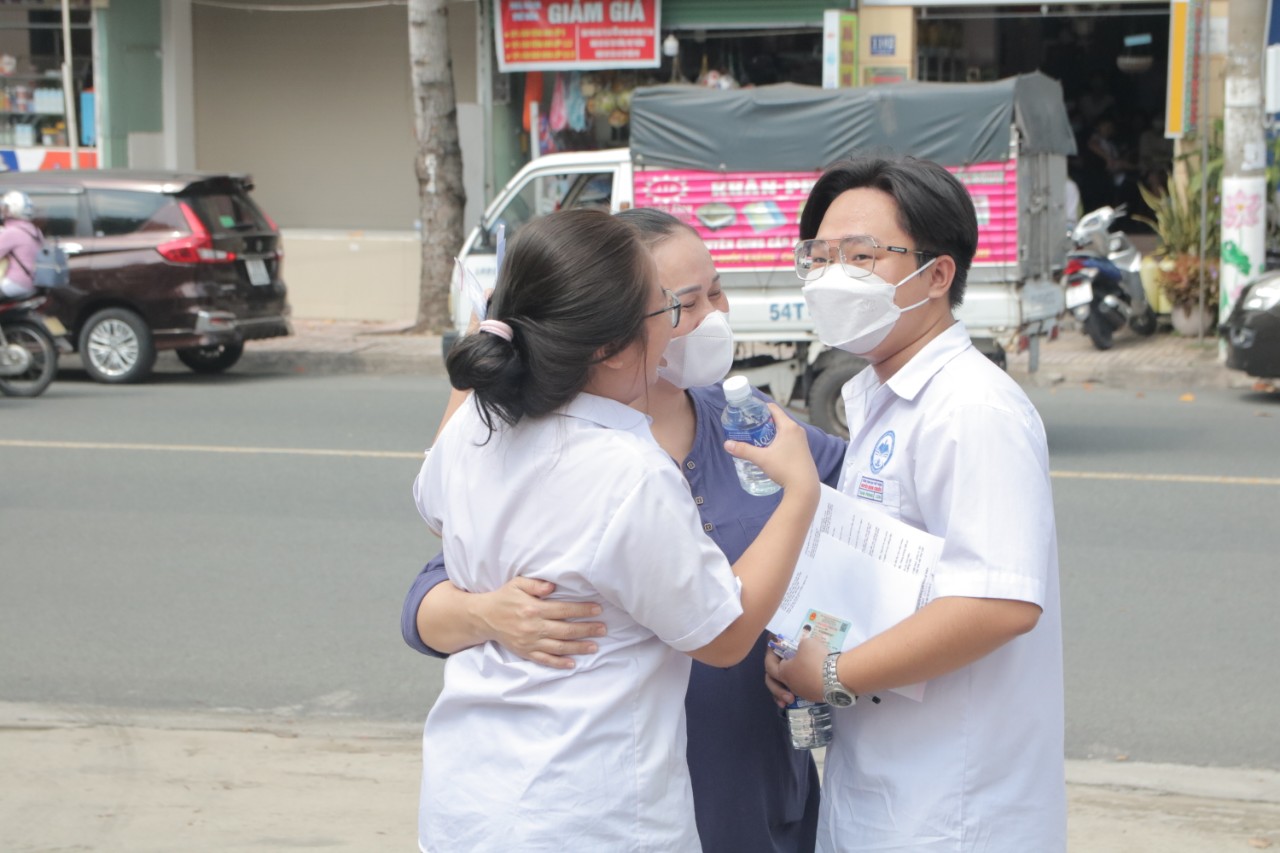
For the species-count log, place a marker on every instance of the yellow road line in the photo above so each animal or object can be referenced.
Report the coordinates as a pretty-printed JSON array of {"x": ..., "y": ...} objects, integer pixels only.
[
  {"x": 211, "y": 448},
  {"x": 399, "y": 454}
]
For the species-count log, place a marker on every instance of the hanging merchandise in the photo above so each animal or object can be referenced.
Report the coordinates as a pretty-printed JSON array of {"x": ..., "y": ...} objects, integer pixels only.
[
  {"x": 532, "y": 95},
  {"x": 575, "y": 103},
  {"x": 546, "y": 140},
  {"x": 620, "y": 115},
  {"x": 558, "y": 119}
]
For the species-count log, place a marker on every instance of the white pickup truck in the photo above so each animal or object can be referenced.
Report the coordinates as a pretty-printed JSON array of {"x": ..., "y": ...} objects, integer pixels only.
[{"x": 738, "y": 165}]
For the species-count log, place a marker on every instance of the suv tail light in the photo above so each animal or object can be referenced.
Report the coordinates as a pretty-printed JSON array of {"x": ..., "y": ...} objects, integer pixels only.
[{"x": 195, "y": 248}]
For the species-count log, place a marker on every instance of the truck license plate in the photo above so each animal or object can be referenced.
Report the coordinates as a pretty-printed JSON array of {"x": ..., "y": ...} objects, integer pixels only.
[{"x": 257, "y": 270}]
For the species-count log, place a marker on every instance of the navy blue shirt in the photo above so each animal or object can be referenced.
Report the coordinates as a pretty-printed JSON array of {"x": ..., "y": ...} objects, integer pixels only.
[{"x": 752, "y": 793}]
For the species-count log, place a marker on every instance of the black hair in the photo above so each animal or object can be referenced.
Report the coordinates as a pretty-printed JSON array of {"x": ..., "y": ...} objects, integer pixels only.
[
  {"x": 655, "y": 226},
  {"x": 934, "y": 208},
  {"x": 574, "y": 287}
]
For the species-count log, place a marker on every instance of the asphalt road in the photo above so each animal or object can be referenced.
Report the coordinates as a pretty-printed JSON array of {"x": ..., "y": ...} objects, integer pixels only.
[{"x": 243, "y": 543}]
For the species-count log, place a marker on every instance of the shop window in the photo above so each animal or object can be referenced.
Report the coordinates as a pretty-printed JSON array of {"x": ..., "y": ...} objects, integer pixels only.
[{"x": 33, "y": 107}]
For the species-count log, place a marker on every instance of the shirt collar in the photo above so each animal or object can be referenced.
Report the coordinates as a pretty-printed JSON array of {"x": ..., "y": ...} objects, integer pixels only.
[
  {"x": 917, "y": 372},
  {"x": 609, "y": 414}
]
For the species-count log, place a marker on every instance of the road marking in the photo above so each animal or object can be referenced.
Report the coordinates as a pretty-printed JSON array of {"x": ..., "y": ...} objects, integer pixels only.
[
  {"x": 399, "y": 454},
  {"x": 212, "y": 448},
  {"x": 1167, "y": 478}
]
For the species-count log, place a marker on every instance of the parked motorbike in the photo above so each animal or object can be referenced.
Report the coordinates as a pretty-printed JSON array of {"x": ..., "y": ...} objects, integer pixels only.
[
  {"x": 28, "y": 352},
  {"x": 1101, "y": 279}
]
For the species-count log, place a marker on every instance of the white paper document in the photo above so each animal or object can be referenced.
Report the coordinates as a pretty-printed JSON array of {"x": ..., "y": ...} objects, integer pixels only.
[{"x": 860, "y": 573}]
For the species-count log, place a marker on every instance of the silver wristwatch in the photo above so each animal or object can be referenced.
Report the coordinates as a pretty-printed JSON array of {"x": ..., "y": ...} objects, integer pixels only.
[{"x": 833, "y": 692}]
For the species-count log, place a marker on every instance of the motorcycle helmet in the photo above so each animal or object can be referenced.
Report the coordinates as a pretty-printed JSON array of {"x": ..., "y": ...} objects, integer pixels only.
[{"x": 17, "y": 205}]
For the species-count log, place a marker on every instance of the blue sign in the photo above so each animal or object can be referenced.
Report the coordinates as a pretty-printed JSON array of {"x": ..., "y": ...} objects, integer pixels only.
[{"x": 884, "y": 45}]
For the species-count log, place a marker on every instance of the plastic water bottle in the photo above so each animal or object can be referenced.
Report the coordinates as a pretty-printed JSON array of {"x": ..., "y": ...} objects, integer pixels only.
[
  {"x": 747, "y": 419},
  {"x": 808, "y": 723}
]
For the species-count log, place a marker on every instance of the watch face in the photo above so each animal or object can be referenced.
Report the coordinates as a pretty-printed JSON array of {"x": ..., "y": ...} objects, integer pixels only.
[{"x": 839, "y": 699}]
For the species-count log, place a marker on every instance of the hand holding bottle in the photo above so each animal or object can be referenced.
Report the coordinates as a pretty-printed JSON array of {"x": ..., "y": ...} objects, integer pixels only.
[{"x": 787, "y": 460}]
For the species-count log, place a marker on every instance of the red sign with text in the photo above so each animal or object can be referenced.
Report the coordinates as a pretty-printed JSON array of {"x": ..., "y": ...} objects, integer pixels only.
[{"x": 583, "y": 35}]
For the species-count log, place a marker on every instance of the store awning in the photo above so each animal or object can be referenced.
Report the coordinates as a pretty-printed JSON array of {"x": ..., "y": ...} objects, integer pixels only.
[{"x": 788, "y": 127}]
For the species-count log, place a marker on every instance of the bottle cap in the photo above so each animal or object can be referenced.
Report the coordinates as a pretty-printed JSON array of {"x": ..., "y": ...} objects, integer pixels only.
[{"x": 737, "y": 389}]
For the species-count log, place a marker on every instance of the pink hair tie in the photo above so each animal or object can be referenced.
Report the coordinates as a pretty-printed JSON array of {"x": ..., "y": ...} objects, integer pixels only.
[{"x": 496, "y": 327}]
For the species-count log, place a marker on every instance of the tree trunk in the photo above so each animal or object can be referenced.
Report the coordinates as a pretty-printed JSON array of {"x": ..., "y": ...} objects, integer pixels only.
[{"x": 439, "y": 160}]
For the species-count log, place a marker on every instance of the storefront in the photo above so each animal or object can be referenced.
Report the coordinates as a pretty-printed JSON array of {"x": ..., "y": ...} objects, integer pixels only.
[
  {"x": 558, "y": 103},
  {"x": 34, "y": 127},
  {"x": 1112, "y": 61}
]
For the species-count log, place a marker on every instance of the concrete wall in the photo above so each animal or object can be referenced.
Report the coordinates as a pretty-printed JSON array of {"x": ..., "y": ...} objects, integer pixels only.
[
  {"x": 352, "y": 275},
  {"x": 316, "y": 106}
]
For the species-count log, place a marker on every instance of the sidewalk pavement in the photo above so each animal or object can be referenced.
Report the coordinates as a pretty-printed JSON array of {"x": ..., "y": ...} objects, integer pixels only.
[
  {"x": 1162, "y": 361},
  {"x": 84, "y": 779}
]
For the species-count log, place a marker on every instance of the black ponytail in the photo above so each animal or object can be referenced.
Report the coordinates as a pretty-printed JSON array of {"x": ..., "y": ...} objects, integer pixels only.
[{"x": 573, "y": 289}]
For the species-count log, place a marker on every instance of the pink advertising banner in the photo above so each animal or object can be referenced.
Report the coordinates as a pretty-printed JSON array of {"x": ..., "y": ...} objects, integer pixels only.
[
  {"x": 751, "y": 219},
  {"x": 747, "y": 219},
  {"x": 994, "y": 188}
]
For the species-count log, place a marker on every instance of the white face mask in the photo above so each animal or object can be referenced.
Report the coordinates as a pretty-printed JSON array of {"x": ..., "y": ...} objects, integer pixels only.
[
  {"x": 855, "y": 314},
  {"x": 702, "y": 357}
]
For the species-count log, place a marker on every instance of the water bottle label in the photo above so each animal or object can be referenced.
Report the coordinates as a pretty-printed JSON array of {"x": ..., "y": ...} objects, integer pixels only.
[{"x": 760, "y": 436}]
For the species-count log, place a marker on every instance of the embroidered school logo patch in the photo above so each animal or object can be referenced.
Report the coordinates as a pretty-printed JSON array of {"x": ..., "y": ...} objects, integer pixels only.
[
  {"x": 883, "y": 452},
  {"x": 871, "y": 489}
]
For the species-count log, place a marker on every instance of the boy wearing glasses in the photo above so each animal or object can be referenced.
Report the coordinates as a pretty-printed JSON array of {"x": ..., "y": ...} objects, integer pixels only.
[{"x": 943, "y": 440}]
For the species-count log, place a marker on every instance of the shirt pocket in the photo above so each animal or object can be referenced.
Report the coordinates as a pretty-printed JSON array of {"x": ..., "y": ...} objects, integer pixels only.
[{"x": 884, "y": 492}]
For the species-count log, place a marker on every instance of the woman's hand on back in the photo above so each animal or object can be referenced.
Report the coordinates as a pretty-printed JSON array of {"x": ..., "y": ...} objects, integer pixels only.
[
  {"x": 520, "y": 620},
  {"x": 788, "y": 460}
]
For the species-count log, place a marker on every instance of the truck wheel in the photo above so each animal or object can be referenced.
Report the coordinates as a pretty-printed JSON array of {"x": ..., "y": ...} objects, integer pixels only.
[
  {"x": 116, "y": 347},
  {"x": 211, "y": 359},
  {"x": 826, "y": 405}
]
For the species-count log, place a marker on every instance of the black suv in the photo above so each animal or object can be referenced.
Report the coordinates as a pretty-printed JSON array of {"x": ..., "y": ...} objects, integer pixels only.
[{"x": 159, "y": 260}]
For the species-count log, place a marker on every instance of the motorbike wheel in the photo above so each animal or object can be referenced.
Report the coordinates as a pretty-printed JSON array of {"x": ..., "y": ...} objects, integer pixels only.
[
  {"x": 211, "y": 359},
  {"x": 1099, "y": 330},
  {"x": 1145, "y": 323},
  {"x": 44, "y": 361}
]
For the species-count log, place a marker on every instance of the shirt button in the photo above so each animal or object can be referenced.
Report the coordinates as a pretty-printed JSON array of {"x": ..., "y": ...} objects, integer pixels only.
[
  {"x": 698, "y": 500},
  {"x": 708, "y": 527},
  {"x": 690, "y": 465}
]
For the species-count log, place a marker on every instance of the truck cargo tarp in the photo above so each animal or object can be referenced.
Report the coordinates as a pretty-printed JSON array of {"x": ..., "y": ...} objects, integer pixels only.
[{"x": 788, "y": 127}]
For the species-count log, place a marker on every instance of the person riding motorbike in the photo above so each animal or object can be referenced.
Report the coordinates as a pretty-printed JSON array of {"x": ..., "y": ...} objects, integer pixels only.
[{"x": 20, "y": 241}]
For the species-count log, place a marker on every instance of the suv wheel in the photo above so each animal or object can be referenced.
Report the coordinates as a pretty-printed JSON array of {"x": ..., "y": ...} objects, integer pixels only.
[
  {"x": 116, "y": 347},
  {"x": 211, "y": 359}
]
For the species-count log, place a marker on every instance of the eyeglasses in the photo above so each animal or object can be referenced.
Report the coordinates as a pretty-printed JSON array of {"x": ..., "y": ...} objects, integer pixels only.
[
  {"x": 857, "y": 256},
  {"x": 673, "y": 305}
]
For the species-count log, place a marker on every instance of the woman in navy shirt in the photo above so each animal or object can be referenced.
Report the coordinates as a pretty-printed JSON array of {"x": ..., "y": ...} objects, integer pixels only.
[{"x": 752, "y": 792}]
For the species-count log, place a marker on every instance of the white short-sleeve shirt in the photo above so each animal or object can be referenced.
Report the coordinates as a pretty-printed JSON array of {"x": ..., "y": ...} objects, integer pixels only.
[
  {"x": 951, "y": 445},
  {"x": 518, "y": 756}
]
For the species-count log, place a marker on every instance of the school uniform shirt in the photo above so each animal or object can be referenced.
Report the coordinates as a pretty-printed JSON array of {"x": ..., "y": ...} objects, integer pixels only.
[
  {"x": 518, "y": 756},
  {"x": 951, "y": 445},
  {"x": 752, "y": 792}
]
